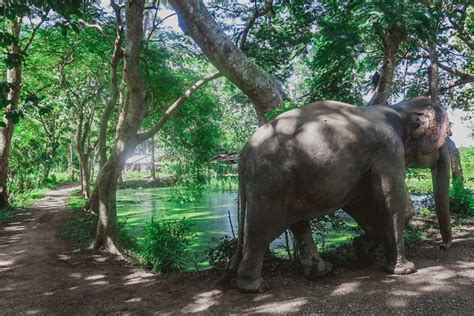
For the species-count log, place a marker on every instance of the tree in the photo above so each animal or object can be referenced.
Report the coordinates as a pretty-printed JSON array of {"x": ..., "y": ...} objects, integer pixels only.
[
  {"x": 134, "y": 108},
  {"x": 14, "y": 12},
  {"x": 264, "y": 91}
]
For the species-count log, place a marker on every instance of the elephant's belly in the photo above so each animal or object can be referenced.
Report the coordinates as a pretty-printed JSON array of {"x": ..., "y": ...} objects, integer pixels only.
[{"x": 322, "y": 200}]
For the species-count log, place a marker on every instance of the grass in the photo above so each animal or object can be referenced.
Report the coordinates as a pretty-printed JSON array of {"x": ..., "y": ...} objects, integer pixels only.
[
  {"x": 419, "y": 180},
  {"x": 27, "y": 198},
  {"x": 82, "y": 226}
]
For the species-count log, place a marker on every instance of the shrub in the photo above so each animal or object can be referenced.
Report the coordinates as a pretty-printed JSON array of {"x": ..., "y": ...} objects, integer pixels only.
[
  {"x": 223, "y": 252},
  {"x": 461, "y": 199},
  {"x": 322, "y": 225},
  {"x": 413, "y": 236},
  {"x": 165, "y": 244},
  {"x": 425, "y": 211}
]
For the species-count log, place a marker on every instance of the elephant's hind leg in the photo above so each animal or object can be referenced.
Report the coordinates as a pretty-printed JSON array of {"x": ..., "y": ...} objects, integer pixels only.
[
  {"x": 250, "y": 271},
  {"x": 263, "y": 224},
  {"x": 314, "y": 266}
]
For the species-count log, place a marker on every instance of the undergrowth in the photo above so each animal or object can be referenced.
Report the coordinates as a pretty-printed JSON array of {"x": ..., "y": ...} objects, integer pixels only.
[{"x": 165, "y": 244}]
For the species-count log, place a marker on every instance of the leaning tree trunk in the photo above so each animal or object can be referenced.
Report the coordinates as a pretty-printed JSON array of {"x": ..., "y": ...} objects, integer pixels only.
[
  {"x": 391, "y": 40},
  {"x": 6, "y": 132},
  {"x": 132, "y": 114},
  {"x": 111, "y": 103},
  {"x": 106, "y": 236},
  {"x": 85, "y": 175},
  {"x": 264, "y": 90}
]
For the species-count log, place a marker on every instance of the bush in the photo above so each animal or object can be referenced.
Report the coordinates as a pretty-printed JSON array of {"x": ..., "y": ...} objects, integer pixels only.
[
  {"x": 413, "y": 236},
  {"x": 223, "y": 252},
  {"x": 322, "y": 225},
  {"x": 165, "y": 244},
  {"x": 460, "y": 199},
  {"x": 425, "y": 212}
]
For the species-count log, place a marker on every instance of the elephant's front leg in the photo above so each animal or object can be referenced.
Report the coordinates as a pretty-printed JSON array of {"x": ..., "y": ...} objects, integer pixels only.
[
  {"x": 313, "y": 265},
  {"x": 394, "y": 196}
]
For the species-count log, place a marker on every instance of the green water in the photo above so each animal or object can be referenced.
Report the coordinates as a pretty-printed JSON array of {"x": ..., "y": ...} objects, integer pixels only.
[{"x": 208, "y": 213}]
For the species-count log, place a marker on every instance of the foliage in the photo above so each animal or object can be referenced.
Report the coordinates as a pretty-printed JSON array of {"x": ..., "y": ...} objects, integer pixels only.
[
  {"x": 221, "y": 254},
  {"x": 461, "y": 199},
  {"x": 425, "y": 212},
  {"x": 165, "y": 243},
  {"x": 322, "y": 225},
  {"x": 36, "y": 190},
  {"x": 413, "y": 236}
]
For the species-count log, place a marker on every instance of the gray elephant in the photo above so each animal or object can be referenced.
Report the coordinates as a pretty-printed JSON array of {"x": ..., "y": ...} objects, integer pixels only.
[{"x": 328, "y": 155}]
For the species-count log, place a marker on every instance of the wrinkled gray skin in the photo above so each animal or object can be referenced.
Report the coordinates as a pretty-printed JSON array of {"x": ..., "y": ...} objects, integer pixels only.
[{"x": 328, "y": 155}]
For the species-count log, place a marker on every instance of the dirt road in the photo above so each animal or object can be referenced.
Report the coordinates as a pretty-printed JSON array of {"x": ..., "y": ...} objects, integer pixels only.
[{"x": 41, "y": 273}]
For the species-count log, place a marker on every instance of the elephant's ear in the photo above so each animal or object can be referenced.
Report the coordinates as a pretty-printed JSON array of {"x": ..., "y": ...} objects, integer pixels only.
[{"x": 428, "y": 124}]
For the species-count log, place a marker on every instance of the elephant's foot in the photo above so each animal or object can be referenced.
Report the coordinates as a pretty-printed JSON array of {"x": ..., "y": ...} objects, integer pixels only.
[
  {"x": 317, "y": 270},
  {"x": 401, "y": 267},
  {"x": 251, "y": 286}
]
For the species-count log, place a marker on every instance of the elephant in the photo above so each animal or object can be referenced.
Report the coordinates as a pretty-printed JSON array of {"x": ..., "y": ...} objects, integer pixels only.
[
  {"x": 439, "y": 162},
  {"x": 325, "y": 156}
]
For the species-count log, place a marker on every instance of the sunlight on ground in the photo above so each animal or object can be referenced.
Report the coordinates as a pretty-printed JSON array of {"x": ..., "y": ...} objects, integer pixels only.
[
  {"x": 203, "y": 301},
  {"x": 282, "y": 306}
]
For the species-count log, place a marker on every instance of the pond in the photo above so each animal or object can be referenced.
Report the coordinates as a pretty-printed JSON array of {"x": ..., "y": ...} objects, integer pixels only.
[{"x": 208, "y": 213}]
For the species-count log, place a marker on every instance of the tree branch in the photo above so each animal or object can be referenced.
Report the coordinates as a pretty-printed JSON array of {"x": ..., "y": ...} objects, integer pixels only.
[
  {"x": 98, "y": 28},
  {"x": 463, "y": 35},
  {"x": 176, "y": 105},
  {"x": 33, "y": 33},
  {"x": 454, "y": 84},
  {"x": 258, "y": 13},
  {"x": 456, "y": 72}
]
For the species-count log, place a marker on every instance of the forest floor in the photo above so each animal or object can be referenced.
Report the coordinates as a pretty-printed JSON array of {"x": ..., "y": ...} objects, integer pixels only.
[{"x": 42, "y": 273}]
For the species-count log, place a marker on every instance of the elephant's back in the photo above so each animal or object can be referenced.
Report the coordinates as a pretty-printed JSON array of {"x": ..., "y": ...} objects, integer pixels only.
[{"x": 308, "y": 143}]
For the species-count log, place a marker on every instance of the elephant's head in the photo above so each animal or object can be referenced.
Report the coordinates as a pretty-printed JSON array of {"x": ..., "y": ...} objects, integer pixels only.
[{"x": 426, "y": 127}]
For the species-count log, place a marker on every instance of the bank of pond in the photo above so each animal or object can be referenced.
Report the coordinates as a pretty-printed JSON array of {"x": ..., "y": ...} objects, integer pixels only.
[{"x": 212, "y": 215}]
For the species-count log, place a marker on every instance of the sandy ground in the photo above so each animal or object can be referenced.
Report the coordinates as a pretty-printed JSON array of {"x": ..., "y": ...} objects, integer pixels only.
[{"x": 41, "y": 273}]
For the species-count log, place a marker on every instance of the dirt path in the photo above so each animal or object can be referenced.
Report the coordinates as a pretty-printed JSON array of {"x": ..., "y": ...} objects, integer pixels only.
[{"x": 42, "y": 273}]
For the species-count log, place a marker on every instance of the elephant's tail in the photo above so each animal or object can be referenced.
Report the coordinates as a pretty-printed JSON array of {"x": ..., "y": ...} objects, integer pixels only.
[
  {"x": 233, "y": 265},
  {"x": 242, "y": 212}
]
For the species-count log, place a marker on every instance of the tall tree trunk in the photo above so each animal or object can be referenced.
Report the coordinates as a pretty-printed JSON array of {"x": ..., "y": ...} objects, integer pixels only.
[
  {"x": 264, "y": 90},
  {"x": 6, "y": 132},
  {"x": 70, "y": 159},
  {"x": 107, "y": 235},
  {"x": 133, "y": 110},
  {"x": 132, "y": 114},
  {"x": 391, "y": 40},
  {"x": 85, "y": 175},
  {"x": 109, "y": 108}
]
